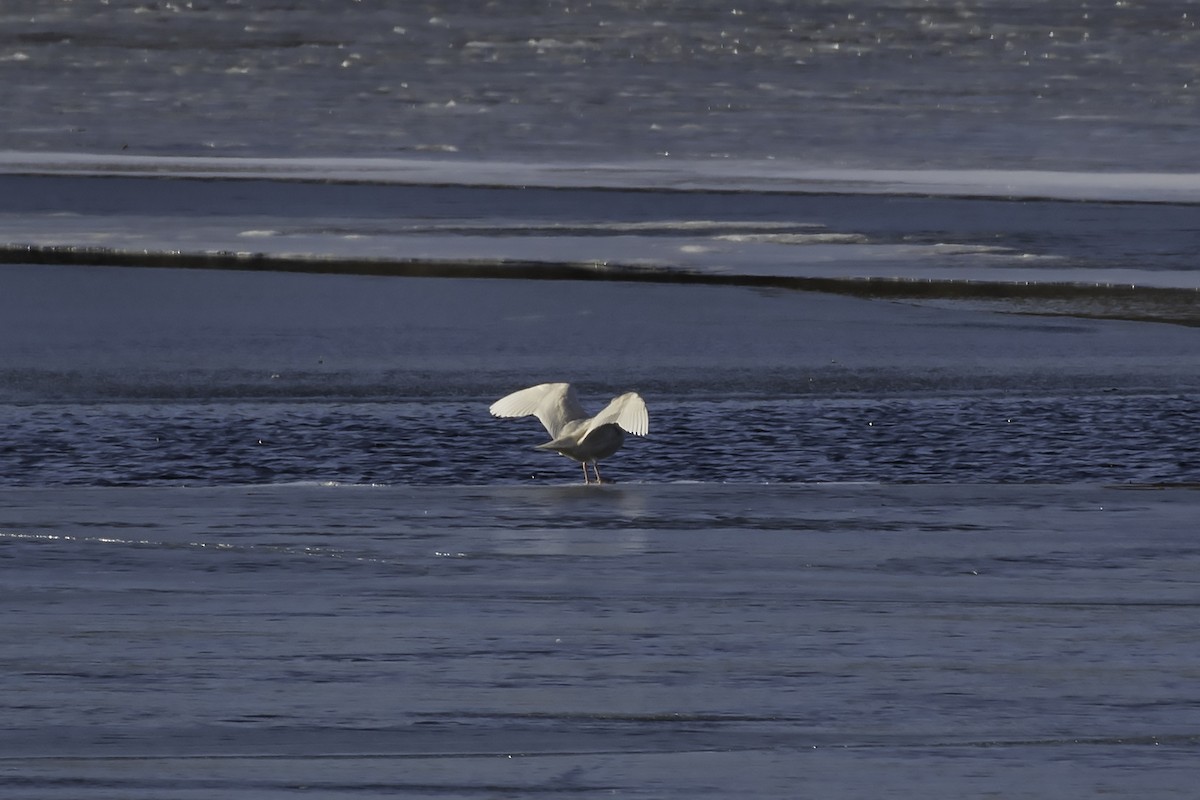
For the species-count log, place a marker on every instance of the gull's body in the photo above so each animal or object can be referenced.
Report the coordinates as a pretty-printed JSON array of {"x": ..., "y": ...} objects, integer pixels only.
[{"x": 572, "y": 432}]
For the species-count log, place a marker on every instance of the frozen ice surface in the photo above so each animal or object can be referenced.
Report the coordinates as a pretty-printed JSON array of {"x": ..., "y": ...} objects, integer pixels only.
[
  {"x": 667, "y": 640},
  {"x": 726, "y": 175}
]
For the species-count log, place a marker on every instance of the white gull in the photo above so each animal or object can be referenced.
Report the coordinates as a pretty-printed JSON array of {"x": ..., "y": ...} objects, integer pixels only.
[{"x": 572, "y": 432}]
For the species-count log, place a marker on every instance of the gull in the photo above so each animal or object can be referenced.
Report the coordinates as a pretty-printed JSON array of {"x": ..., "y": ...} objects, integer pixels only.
[{"x": 572, "y": 432}]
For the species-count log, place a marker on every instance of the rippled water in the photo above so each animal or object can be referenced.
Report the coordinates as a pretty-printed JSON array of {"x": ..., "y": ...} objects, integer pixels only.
[{"x": 964, "y": 439}]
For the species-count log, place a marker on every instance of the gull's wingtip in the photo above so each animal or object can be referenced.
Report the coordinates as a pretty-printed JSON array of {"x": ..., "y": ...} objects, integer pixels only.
[
  {"x": 520, "y": 403},
  {"x": 629, "y": 412},
  {"x": 499, "y": 408},
  {"x": 643, "y": 423}
]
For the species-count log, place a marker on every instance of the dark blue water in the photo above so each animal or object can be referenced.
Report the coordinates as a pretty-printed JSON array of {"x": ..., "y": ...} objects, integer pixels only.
[{"x": 1113, "y": 438}]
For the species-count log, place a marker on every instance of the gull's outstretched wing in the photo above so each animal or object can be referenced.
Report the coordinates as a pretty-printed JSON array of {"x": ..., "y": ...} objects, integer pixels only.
[
  {"x": 627, "y": 411},
  {"x": 554, "y": 404}
]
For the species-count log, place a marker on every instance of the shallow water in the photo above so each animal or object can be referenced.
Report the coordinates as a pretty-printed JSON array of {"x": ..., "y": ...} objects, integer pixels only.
[{"x": 965, "y": 438}]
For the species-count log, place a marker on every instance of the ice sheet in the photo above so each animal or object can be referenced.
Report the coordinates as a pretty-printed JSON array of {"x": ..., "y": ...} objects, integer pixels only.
[
  {"x": 724, "y": 175},
  {"x": 683, "y": 640}
]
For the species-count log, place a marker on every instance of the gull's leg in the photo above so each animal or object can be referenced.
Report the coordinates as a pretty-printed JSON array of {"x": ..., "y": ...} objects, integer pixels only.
[
  {"x": 596, "y": 469},
  {"x": 585, "y": 475}
]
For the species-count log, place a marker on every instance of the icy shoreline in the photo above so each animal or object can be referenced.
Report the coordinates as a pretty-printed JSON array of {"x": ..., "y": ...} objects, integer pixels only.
[
  {"x": 916, "y": 236},
  {"x": 1098, "y": 300},
  {"x": 666, "y": 174}
]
